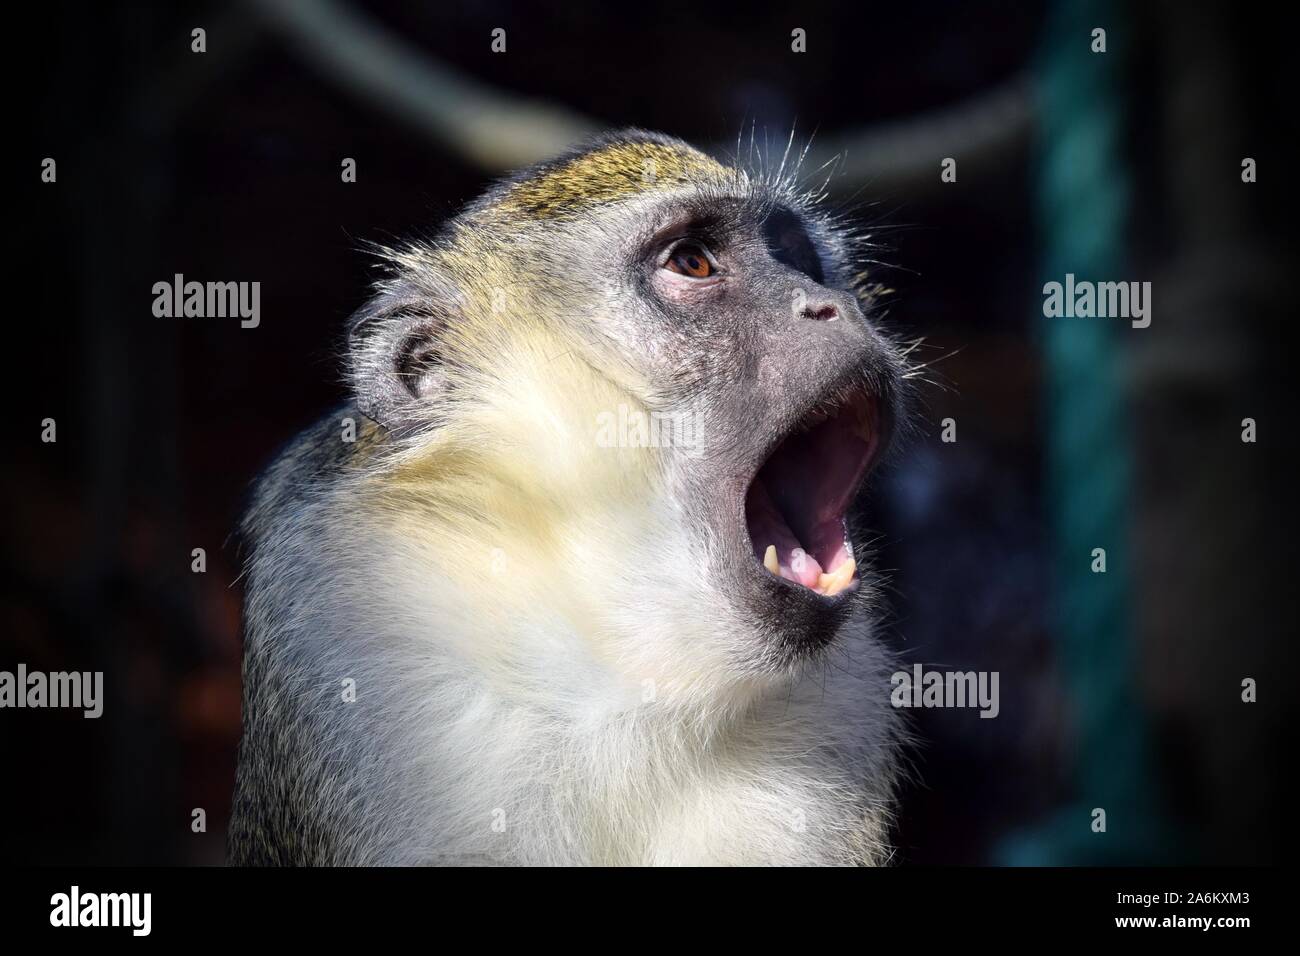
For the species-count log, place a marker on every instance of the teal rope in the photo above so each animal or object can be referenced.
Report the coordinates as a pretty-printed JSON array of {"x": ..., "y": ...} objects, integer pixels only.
[{"x": 1083, "y": 204}]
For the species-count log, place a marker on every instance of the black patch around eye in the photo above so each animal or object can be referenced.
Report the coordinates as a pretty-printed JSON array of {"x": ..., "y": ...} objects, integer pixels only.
[{"x": 790, "y": 244}]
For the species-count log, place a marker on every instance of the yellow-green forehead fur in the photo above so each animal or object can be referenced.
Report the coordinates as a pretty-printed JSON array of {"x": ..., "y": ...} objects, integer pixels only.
[{"x": 614, "y": 172}]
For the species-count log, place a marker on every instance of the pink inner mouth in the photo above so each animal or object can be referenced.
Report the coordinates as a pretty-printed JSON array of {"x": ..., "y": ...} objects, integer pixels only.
[{"x": 798, "y": 499}]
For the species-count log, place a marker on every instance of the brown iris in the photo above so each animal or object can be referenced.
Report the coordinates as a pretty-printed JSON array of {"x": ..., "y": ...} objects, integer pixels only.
[{"x": 689, "y": 259}]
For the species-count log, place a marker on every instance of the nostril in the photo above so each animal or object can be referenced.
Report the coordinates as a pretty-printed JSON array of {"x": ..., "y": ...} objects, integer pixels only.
[{"x": 824, "y": 313}]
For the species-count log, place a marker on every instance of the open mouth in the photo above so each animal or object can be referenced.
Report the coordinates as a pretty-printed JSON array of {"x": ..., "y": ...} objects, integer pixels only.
[{"x": 796, "y": 505}]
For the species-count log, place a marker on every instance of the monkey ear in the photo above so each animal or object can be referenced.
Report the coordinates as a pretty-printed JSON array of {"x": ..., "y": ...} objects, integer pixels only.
[{"x": 394, "y": 362}]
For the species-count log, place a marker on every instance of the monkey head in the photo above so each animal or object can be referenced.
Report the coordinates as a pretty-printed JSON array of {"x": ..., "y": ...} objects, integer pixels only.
[{"x": 622, "y": 405}]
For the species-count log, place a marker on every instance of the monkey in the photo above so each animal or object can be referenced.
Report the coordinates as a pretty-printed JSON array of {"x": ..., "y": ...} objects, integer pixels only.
[{"x": 490, "y": 617}]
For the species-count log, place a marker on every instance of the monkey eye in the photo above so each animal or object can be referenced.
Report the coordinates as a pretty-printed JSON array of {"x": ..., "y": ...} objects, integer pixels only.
[{"x": 690, "y": 259}]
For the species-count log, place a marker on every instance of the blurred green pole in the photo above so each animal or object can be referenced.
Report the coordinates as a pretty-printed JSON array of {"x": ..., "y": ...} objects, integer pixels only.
[{"x": 1083, "y": 196}]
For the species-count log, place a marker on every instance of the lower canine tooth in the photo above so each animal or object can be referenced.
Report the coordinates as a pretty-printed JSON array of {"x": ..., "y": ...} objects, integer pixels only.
[
  {"x": 769, "y": 559},
  {"x": 835, "y": 582}
]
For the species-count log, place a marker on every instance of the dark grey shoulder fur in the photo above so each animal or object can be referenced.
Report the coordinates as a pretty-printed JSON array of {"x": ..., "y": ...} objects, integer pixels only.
[{"x": 277, "y": 774}]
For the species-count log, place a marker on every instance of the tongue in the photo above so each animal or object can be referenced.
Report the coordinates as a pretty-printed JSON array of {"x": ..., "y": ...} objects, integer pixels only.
[{"x": 804, "y": 568}]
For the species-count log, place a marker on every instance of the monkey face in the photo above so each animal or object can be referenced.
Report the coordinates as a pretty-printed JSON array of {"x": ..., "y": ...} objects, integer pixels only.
[{"x": 793, "y": 395}]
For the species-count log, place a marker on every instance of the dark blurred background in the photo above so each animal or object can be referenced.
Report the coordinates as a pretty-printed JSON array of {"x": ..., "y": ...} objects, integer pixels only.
[{"x": 1120, "y": 691}]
